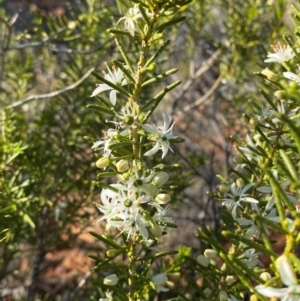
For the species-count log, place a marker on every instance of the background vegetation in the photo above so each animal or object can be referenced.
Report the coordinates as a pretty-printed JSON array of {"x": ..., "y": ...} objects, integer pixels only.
[{"x": 47, "y": 53}]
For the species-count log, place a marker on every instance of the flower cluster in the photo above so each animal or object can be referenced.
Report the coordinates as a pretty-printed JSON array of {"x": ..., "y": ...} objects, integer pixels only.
[
  {"x": 263, "y": 197},
  {"x": 135, "y": 203}
]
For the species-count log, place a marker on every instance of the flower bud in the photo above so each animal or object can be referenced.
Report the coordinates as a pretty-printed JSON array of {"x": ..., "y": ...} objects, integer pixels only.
[
  {"x": 128, "y": 120},
  {"x": 270, "y": 75},
  {"x": 152, "y": 190},
  {"x": 281, "y": 94},
  {"x": 223, "y": 296},
  {"x": 122, "y": 165},
  {"x": 265, "y": 276},
  {"x": 111, "y": 280},
  {"x": 229, "y": 280},
  {"x": 102, "y": 162},
  {"x": 202, "y": 260},
  {"x": 238, "y": 159},
  {"x": 124, "y": 176},
  {"x": 253, "y": 298},
  {"x": 112, "y": 252},
  {"x": 210, "y": 253},
  {"x": 151, "y": 67},
  {"x": 156, "y": 230},
  {"x": 257, "y": 137},
  {"x": 160, "y": 179},
  {"x": 224, "y": 188},
  {"x": 163, "y": 198},
  {"x": 253, "y": 121},
  {"x": 240, "y": 182},
  {"x": 142, "y": 117},
  {"x": 207, "y": 292}
]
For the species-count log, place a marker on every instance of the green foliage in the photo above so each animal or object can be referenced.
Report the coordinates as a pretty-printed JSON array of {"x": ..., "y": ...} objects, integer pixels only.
[{"x": 47, "y": 169}]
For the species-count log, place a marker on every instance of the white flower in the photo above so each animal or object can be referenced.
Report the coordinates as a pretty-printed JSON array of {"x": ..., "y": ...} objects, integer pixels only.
[
  {"x": 131, "y": 18},
  {"x": 288, "y": 277},
  {"x": 122, "y": 210},
  {"x": 237, "y": 196},
  {"x": 292, "y": 76},
  {"x": 108, "y": 295},
  {"x": 159, "y": 280},
  {"x": 111, "y": 280},
  {"x": 116, "y": 76},
  {"x": 161, "y": 135},
  {"x": 250, "y": 259},
  {"x": 281, "y": 54}
]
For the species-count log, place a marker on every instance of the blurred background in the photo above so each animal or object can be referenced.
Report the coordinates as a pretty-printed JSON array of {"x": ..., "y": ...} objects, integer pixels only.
[{"x": 48, "y": 49}]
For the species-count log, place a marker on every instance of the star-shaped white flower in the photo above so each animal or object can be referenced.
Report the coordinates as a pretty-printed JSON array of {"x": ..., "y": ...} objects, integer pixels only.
[
  {"x": 159, "y": 280},
  {"x": 281, "y": 54},
  {"x": 116, "y": 76},
  {"x": 161, "y": 135},
  {"x": 288, "y": 277},
  {"x": 131, "y": 18},
  {"x": 238, "y": 195}
]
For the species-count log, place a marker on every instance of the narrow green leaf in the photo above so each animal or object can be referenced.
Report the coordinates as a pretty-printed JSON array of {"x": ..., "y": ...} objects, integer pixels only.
[
  {"x": 106, "y": 174},
  {"x": 119, "y": 32},
  {"x": 295, "y": 132},
  {"x": 158, "y": 255},
  {"x": 100, "y": 109},
  {"x": 289, "y": 165},
  {"x": 156, "y": 100},
  {"x": 157, "y": 53},
  {"x": 106, "y": 239},
  {"x": 268, "y": 98},
  {"x": 163, "y": 26},
  {"x": 159, "y": 77},
  {"x": 124, "y": 55}
]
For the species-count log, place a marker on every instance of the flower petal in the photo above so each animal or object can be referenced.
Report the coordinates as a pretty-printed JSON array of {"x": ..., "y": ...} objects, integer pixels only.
[
  {"x": 113, "y": 97},
  {"x": 271, "y": 292},
  {"x": 153, "y": 150},
  {"x": 287, "y": 274},
  {"x": 100, "y": 88}
]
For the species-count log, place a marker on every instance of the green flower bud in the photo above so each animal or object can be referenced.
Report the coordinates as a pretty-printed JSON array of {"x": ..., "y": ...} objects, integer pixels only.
[
  {"x": 156, "y": 230},
  {"x": 253, "y": 298},
  {"x": 211, "y": 253},
  {"x": 223, "y": 296},
  {"x": 112, "y": 252},
  {"x": 163, "y": 198},
  {"x": 202, "y": 260},
  {"x": 265, "y": 276},
  {"x": 152, "y": 190},
  {"x": 161, "y": 178},
  {"x": 281, "y": 94},
  {"x": 229, "y": 280},
  {"x": 270, "y": 75},
  {"x": 141, "y": 117},
  {"x": 253, "y": 121},
  {"x": 207, "y": 292},
  {"x": 257, "y": 137},
  {"x": 111, "y": 280},
  {"x": 102, "y": 162},
  {"x": 240, "y": 182},
  {"x": 224, "y": 188},
  {"x": 122, "y": 165},
  {"x": 151, "y": 67},
  {"x": 128, "y": 120},
  {"x": 238, "y": 159}
]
